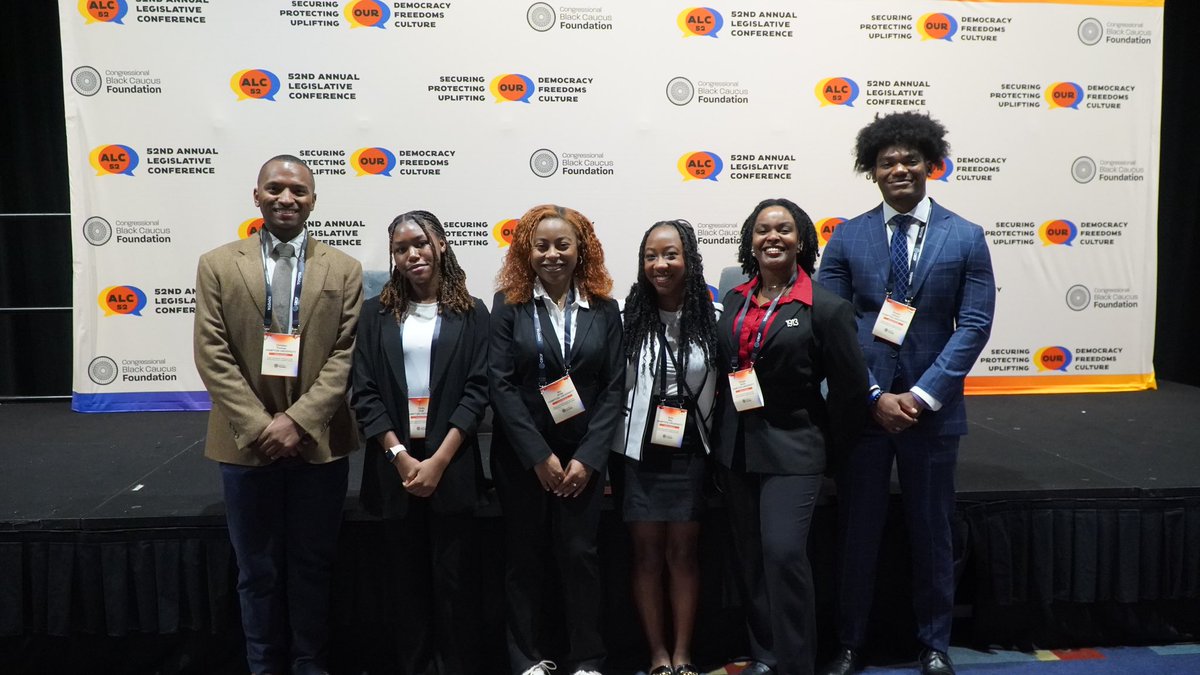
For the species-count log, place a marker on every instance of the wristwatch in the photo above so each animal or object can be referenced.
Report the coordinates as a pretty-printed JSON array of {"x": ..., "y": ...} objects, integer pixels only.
[{"x": 395, "y": 451}]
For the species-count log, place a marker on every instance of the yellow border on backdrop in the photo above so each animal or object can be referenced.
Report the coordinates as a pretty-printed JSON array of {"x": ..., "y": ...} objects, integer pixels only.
[
  {"x": 1099, "y": 3},
  {"x": 990, "y": 385}
]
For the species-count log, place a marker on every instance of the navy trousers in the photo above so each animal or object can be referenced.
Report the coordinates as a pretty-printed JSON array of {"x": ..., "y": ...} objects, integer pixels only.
[
  {"x": 925, "y": 465},
  {"x": 283, "y": 523}
]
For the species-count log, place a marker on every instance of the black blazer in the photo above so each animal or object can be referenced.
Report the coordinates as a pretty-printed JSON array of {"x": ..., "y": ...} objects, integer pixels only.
[
  {"x": 797, "y": 429},
  {"x": 458, "y": 397},
  {"x": 523, "y": 423}
]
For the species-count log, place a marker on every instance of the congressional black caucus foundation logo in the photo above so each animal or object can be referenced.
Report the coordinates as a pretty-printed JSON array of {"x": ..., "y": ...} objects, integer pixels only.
[
  {"x": 86, "y": 80},
  {"x": 97, "y": 231},
  {"x": 103, "y": 370},
  {"x": 542, "y": 17},
  {"x": 682, "y": 91}
]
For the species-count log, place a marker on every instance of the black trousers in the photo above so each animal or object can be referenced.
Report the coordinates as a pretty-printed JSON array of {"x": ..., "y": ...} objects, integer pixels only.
[
  {"x": 770, "y": 516},
  {"x": 434, "y": 591},
  {"x": 547, "y": 535}
]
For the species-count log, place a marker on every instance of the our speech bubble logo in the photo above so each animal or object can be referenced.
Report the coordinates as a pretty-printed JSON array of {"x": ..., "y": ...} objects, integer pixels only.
[
  {"x": 249, "y": 228},
  {"x": 942, "y": 174},
  {"x": 254, "y": 83},
  {"x": 702, "y": 21},
  {"x": 837, "y": 91},
  {"x": 104, "y": 11},
  {"x": 367, "y": 14},
  {"x": 937, "y": 26},
  {"x": 1058, "y": 233},
  {"x": 512, "y": 87},
  {"x": 113, "y": 159},
  {"x": 373, "y": 161},
  {"x": 1064, "y": 95},
  {"x": 122, "y": 300},
  {"x": 1052, "y": 358},
  {"x": 826, "y": 227},
  {"x": 503, "y": 232},
  {"x": 702, "y": 165}
]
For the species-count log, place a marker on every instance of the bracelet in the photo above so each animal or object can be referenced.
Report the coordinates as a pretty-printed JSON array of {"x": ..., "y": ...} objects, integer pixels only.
[{"x": 875, "y": 395}]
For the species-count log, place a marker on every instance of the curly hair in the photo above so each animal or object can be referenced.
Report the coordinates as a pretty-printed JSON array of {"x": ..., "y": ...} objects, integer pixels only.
[
  {"x": 697, "y": 320},
  {"x": 913, "y": 130},
  {"x": 806, "y": 256},
  {"x": 452, "y": 292},
  {"x": 516, "y": 275}
]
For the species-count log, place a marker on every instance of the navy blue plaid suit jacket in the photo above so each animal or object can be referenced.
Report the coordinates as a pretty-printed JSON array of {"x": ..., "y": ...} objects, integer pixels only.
[{"x": 955, "y": 296}]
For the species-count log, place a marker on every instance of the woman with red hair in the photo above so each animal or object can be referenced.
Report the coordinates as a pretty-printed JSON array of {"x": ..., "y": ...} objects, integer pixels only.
[{"x": 557, "y": 369}]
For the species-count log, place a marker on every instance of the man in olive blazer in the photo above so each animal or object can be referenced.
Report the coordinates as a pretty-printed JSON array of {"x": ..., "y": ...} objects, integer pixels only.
[{"x": 281, "y": 441}]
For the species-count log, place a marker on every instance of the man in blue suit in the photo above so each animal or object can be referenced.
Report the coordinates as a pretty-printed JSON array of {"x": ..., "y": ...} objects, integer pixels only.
[{"x": 920, "y": 278}]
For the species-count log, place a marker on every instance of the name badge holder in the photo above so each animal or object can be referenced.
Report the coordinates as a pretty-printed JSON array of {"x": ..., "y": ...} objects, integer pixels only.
[
  {"x": 668, "y": 427},
  {"x": 746, "y": 393},
  {"x": 418, "y": 406},
  {"x": 896, "y": 316},
  {"x": 418, "y": 415},
  {"x": 562, "y": 400},
  {"x": 281, "y": 351}
]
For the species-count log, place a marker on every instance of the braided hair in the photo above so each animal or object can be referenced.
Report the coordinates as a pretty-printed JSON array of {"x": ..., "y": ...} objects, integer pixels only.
[
  {"x": 806, "y": 256},
  {"x": 452, "y": 292},
  {"x": 697, "y": 320}
]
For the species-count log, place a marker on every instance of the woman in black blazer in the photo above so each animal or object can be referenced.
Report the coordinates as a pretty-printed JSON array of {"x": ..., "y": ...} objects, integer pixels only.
[
  {"x": 419, "y": 392},
  {"x": 549, "y": 465},
  {"x": 780, "y": 336}
]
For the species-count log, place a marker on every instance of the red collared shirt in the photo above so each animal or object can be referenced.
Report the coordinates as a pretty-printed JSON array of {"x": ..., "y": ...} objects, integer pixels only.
[{"x": 801, "y": 291}]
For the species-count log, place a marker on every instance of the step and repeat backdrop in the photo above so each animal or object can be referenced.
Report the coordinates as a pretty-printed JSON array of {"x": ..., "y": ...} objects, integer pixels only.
[{"x": 629, "y": 111}]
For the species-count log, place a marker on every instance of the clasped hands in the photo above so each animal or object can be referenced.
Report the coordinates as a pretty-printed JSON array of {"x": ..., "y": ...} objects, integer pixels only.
[
  {"x": 568, "y": 482},
  {"x": 282, "y": 438},
  {"x": 421, "y": 477},
  {"x": 896, "y": 412}
]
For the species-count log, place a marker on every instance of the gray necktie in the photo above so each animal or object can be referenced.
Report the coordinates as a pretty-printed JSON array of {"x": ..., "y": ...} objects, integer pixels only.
[{"x": 281, "y": 289}]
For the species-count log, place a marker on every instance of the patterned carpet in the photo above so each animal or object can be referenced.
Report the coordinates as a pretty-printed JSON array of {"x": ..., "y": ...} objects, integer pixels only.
[{"x": 1179, "y": 659}]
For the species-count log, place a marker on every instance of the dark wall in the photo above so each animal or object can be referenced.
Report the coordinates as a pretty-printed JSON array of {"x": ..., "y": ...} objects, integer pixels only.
[
  {"x": 35, "y": 251},
  {"x": 1179, "y": 199}
]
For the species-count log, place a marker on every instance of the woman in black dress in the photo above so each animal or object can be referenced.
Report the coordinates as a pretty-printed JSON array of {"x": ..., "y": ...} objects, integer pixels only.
[{"x": 671, "y": 353}]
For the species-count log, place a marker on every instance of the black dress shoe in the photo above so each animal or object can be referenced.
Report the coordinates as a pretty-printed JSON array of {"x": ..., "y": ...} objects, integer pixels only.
[
  {"x": 934, "y": 662},
  {"x": 846, "y": 661}
]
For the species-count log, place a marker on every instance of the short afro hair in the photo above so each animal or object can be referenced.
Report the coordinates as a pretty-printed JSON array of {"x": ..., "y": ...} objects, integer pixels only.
[{"x": 906, "y": 129}]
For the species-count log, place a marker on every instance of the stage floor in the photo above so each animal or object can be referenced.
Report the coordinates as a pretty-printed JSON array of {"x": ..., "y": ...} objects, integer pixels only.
[
  {"x": 1073, "y": 510},
  {"x": 65, "y": 470}
]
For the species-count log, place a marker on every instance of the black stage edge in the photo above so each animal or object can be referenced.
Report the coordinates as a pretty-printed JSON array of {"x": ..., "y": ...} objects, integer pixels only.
[{"x": 1078, "y": 524}]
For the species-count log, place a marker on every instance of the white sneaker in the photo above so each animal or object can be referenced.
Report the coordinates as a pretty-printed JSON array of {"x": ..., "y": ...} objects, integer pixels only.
[
  {"x": 542, "y": 668},
  {"x": 587, "y": 672}
]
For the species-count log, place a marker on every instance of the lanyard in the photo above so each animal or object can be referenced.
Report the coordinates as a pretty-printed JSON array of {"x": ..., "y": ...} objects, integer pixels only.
[
  {"x": 912, "y": 265},
  {"x": 266, "y": 249},
  {"x": 737, "y": 331},
  {"x": 664, "y": 354},
  {"x": 437, "y": 331},
  {"x": 537, "y": 331}
]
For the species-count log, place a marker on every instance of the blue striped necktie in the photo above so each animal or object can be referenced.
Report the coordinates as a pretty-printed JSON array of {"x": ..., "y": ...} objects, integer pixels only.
[{"x": 900, "y": 256}]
